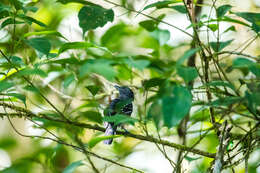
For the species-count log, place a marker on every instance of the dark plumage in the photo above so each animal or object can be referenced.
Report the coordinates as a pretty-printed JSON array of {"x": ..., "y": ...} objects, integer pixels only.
[{"x": 121, "y": 105}]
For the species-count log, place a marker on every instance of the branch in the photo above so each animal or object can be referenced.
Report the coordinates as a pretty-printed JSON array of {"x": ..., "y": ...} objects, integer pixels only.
[{"x": 98, "y": 128}]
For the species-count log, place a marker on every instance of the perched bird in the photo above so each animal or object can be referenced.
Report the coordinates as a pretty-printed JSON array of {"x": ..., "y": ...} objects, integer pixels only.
[{"x": 121, "y": 105}]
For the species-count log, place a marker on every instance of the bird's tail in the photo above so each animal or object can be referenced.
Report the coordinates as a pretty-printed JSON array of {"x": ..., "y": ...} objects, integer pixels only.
[{"x": 109, "y": 131}]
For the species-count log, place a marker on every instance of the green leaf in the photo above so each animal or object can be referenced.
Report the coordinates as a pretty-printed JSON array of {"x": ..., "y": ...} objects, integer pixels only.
[
  {"x": 119, "y": 118},
  {"x": 94, "y": 141},
  {"x": 149, "y": 25},
  {"x": 241, "y": 62},
  {"x": 176, "y": 107},
  {"x": 31, "y": 88},
  {"x": 222, "y": 84},
  {"x": 161, "y": 4},
  {"x": 179, "y": 8},
  {"x": 91, "y": 17},
  {"x": 253, "y": 18},
  {"x": 72, "y": 167},
  {"x": 231, "y": 28},
  {"x": 222, "y": 10},
  {"x": 139, "y": 64},
  {"x": 34, "y": 71},
  {"x": 76, "y": 1},
  {"x": 93, "y": 89},
  {"x": 161, "y": 35},
  {"x": 8, "y": 143},
  {"x": 186, "y": 56},
  {"x": 213, "y": 27},
  {"x": 187, "y": 73},
  {"x": 9, "y": 21},
  {"x": 255, "y": 69},
  {"x": 101, "y": 67},
  {"x": 18, "y": 96},
  {"x": 30, "y": 20},
  {"x": 155, "y": 113},
  {"x": 68, "y": 80},
  {"x": 92, "y": 116},
  {"x": 218, "y": 46},
  {"x": 54, "y": 33},
  {"x": 190, "y": 159},
  {"x": 79, "y": 45},
  {"x": 253, "y": 100},
  {"x": 5, "y": 85},
  {"x": 226, "y": 101},
  {"x": 42, "y": 45},
  {"x": 147, "y": 84}
]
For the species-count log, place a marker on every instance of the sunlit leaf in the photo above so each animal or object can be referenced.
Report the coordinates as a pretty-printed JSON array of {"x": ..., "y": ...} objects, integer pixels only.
[
  {"x": 54, "y": 33},
  {"x": 91, "y": 17},
  {"x": 94, "y": 141},
  {"x": 31, "y": 20}
]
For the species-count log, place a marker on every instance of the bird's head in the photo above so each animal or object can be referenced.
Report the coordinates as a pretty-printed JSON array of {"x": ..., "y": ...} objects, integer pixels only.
[{"x": 125, "y": 92}]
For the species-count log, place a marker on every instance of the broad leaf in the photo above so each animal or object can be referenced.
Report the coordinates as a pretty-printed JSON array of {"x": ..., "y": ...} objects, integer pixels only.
[
  {"x": 42, "y": 45},
  {"x": 253, "y": 18},
  {"x": 187, "y": 73},
  {"x": 147, "y": 84},
  {"x": 149, "y": 25},
  {"x": 218, "y": 46},
  {"x": 176, "y": 107},
  {"x": 92, "y": 116},
  {"x": 222, "y": 10},
  {"x": 18, "y": 96},
  {"x": 139, "y": 64},
  {"x": 5, "y": 85},
  {"x": 30, "y": 20},
  {"x": 102, "y": 67},
  {"x": 91, "y": 17},
  {"x": 34, "y": 71},
  {"x": 93, "y": 89},
  {"x": 68, "y": 80},
  {"x": 179, "y": 8},
  {"x": 55, "y": 33},
  {"x": 186, "y": 56},
  {"x": 72, "y": 167},
  {"x": 161, "y": 35}
]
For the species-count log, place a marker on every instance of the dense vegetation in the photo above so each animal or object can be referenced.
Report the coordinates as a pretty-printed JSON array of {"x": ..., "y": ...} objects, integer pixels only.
[{"x": 197, "y": 99}]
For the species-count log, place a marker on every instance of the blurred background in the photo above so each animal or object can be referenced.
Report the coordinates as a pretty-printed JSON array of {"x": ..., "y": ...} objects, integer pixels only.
[{"x": 123, "y": 36}]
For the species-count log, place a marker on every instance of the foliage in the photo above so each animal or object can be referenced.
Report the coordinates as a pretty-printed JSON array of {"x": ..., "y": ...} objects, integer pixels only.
[{"x": 199, "y": 87}]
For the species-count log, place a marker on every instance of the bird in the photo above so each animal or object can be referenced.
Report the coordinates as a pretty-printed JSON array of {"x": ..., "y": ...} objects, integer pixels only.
[{"x": 120, "y": 105}]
